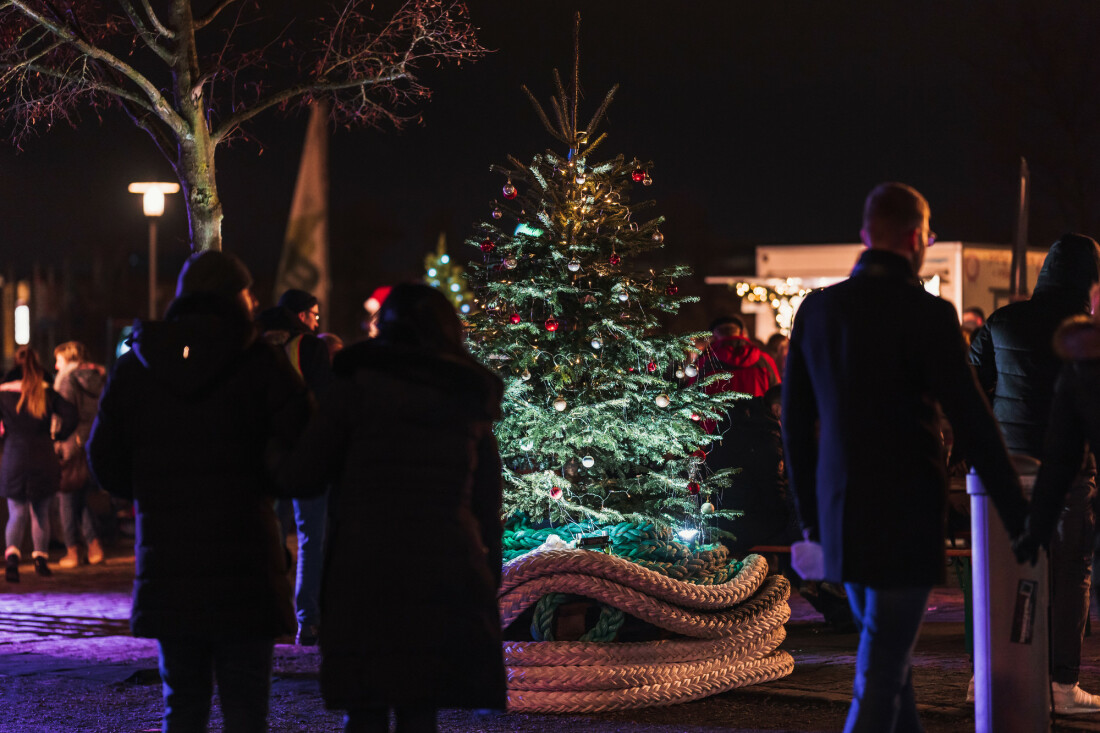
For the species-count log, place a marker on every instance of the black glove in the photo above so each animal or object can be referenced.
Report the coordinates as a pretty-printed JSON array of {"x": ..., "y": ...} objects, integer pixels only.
[{"x": 1026, "y": 546}]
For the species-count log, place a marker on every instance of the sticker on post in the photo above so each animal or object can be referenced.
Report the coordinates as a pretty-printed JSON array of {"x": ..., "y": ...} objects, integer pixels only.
[{"x": 1023, "y": 618}]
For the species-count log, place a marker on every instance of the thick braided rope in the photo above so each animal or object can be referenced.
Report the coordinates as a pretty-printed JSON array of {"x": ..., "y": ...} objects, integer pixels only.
[
  {"x": 579, "y": 653},
  {"x": 602, "y": 677},
  {"x": 630, "y": 574},
  {"x": 774, "y": 590},
  {"x": 738, "y": 674}
]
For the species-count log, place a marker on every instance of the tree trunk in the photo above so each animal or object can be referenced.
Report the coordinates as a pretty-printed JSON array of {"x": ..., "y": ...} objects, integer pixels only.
[
  {"x": 195, "y": 166},
  {"x": 200, "y": 189}
]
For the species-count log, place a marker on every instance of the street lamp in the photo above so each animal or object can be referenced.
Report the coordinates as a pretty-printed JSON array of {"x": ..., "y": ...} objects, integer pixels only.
[{"x": 152, "y": 202}]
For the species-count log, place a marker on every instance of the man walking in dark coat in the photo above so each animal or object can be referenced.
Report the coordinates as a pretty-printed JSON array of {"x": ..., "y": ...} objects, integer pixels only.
[
  {"x": 1013, "y": 355},
  {"x": 292, "y": 324},
  {"x": 869, "y": 360},
  {"x": 192, "y": 424}
]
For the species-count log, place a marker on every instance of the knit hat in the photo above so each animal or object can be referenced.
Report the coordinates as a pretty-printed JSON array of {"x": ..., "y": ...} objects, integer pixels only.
[
  {"x": 297, "y": 301},
  {"x": 213, "y": 271}
]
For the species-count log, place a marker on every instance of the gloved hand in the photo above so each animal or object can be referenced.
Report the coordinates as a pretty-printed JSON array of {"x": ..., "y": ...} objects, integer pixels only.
[{"x": 1026, "y": 546}]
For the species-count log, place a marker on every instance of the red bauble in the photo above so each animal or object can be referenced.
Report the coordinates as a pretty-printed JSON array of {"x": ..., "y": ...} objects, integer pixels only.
[
  {"x": 651, "y": 366},
  {"x": 555, "y": 492},
  {"x": 487, "y": 245},
  {"x": 614, "y": 259},
  {"x": 516, "y": 318},
  {"x": 551, "y": 324},
  {"x": 671, "y": 289},
  {"x": 637, "y": 175},
  {"x": 699, "y": 454},
  {"x": 693, "y": 488},
  {"x": 695, "y": 417},
  {"x": 509, "y": 190}
]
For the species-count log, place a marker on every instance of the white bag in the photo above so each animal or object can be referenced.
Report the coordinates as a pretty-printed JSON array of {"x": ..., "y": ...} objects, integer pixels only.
[{"x": 808, "y": 560}]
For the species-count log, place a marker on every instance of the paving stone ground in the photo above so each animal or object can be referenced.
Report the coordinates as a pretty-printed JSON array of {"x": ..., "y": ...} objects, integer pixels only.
[{"x": 68, "y": 663}]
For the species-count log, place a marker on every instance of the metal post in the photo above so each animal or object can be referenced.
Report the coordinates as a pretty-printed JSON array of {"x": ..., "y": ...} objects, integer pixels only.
[
  {"x": 1011, "y": 611},
  {"x": 152, "y": 267}
]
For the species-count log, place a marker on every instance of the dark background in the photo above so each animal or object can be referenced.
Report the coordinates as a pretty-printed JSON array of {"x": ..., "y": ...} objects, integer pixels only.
[{"x": 766, "y": 122}]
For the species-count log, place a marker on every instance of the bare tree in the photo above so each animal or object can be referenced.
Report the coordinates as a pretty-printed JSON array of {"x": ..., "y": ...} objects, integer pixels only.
[{"x": 193, "y": 79}]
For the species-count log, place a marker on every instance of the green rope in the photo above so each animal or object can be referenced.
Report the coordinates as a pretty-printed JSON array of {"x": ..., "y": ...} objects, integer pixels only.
[
  {"x": 644, "y": 544},
  {"x": 542, "y": 623}
]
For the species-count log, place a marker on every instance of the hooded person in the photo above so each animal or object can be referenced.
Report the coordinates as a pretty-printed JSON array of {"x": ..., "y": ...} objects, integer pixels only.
[
  {"x": 405, "y": 438},
  {"x": 1014, "y": 359},
  {"x": 192, "y": 422},
  {"x": 80, "y": 382}
]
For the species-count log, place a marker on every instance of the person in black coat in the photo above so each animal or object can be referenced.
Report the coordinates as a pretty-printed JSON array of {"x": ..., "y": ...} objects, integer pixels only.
[
  {"x": 192, "y": 422},
  {"x": 413, "y": 546},
  {"x": 30, "y": 473},
  {"x": 1013, "y": 355},
  {"x": 1074, "y": 426},
  {"x": 869, "y": 360}
]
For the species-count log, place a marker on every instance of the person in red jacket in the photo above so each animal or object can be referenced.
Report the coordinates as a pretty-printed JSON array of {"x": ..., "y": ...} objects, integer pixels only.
[{"x": 751, "y": 371}]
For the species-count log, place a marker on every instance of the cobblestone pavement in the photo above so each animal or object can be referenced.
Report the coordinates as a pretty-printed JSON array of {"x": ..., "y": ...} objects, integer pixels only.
[{"x": 68, "y": 663}]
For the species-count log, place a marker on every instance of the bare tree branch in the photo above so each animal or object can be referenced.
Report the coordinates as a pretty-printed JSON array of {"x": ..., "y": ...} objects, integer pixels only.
[
  {"x": 207, "y": 19},
  {"x": 161, "y": 106},
  {"x": 143, "y": 32},
  {"x": 161, "y": 29}
]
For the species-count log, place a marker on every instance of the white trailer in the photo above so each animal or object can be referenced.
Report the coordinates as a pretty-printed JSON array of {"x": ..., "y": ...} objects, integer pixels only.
[{"x": 966, "y": 273}]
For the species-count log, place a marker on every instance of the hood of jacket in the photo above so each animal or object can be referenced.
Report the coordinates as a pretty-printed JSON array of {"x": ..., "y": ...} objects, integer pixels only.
[
  {"x": 1078, "y": 339},
  {"x": 735, "y": 352},
  {"x": 90, "y": 377},
  {"x": 451, "y": 373},
  {"x": 1070, "y": 269},
  {"x": 201, "y": 337}
]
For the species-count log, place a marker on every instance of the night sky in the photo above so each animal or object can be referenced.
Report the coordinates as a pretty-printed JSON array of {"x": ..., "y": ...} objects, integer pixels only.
[{"x": 766, "y": 123}]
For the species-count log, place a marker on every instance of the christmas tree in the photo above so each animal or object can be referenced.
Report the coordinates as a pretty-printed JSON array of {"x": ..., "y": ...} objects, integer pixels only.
[
  {"x": 601, "y": 423},
  {"x": 443, "y": 274}
]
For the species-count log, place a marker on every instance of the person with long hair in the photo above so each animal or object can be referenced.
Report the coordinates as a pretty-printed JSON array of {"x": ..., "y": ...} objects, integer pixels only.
[
  {"x": 30, "y": 473},
  {"x": 404, "y": 435}
]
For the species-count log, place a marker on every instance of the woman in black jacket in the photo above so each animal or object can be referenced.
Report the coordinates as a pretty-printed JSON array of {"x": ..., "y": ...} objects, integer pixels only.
[
  {"x": 409, "y": 616},
  {"x": 30, "y": 473}
]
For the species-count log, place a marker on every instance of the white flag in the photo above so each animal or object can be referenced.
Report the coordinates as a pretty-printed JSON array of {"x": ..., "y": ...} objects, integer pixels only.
[{"x": 304, "y": 264}]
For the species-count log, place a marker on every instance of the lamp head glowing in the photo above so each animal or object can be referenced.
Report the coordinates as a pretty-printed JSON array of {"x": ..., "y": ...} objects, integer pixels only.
[{"x": 152, "y": 195}]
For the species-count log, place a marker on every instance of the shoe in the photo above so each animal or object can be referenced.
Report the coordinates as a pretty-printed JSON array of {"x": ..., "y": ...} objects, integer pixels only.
[
  {"x": 95, "y": 552},
  {"x": 1072, "y": 700},
  {"x": 11, "y": 567},
  {"x": 71, "y": 559},
  {"x": 42, "y": 567},
  {"x": 970, "y": 690},
  {"x": 307, "y": 635}
]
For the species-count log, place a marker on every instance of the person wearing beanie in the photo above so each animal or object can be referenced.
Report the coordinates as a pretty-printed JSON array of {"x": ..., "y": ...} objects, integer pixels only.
[
  {"x": 191, "y": 427},
  {"x": 1013, "y": 356},
  {"x": 292, "y": 325}
]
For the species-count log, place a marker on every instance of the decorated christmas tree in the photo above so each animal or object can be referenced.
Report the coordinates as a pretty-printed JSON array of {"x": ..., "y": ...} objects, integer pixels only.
[
  {"x": 441, "y": 272},
  {"x": 602, "y": 421}
]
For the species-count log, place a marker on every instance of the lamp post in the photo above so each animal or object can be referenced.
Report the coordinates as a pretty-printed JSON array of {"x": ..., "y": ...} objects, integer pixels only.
[{"x": 152, "y": 203}]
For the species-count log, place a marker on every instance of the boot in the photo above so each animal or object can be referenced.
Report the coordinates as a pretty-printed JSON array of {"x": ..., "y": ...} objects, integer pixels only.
[
  {"x": 11, "y": 567},
  {"x": 71, "y": 559},
  {"x": 42, "y": 567},
  {"x": 95, "y": 552}
]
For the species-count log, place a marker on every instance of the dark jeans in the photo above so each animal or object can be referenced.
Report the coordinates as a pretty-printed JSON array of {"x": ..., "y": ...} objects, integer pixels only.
[
  {"x": 309, "y": 516},
  {"x": 188, "y": 667},
  {"x": 1071, "y": 551},
  {"x": 889, "y": 621}
]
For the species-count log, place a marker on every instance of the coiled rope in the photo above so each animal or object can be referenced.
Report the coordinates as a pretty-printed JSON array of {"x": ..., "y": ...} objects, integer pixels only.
[{"x": 730, "y": 628}]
